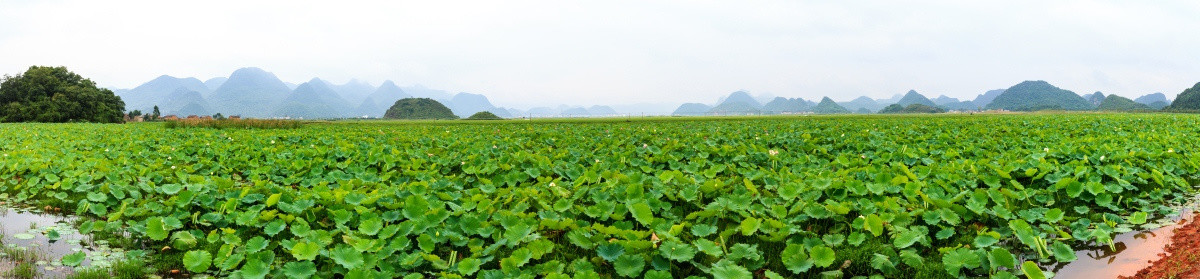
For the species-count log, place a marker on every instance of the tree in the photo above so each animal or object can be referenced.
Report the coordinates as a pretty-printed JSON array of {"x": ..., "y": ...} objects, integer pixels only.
[
  {"x": 135, "y": 113},
  {"x": 218, "y": 116},
  {"x": 157, "y": 114},
  {"x": 54, "y": 94}
]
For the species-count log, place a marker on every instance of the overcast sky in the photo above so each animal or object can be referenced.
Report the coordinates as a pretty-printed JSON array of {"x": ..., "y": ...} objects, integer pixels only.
[{"x": 526, "y": 53}]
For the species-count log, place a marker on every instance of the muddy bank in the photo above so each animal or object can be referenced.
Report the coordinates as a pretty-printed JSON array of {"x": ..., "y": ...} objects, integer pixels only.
[{"x": 1181, "y": 258}]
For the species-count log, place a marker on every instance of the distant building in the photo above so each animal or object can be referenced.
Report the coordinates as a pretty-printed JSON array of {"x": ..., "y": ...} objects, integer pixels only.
[
  {"x": 193, "y": 117},
  {"x": 206, "y": 117},
  {"x": 235, "y": 117},
  {"x": 171, "y": 117}
]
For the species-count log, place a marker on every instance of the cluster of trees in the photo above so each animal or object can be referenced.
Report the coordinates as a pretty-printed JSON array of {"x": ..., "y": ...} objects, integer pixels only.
[{"x": 55, "y": 94}]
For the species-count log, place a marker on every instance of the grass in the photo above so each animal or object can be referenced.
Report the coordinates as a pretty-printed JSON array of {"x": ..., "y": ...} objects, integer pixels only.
[
  {"x": 23, "y": 271},
  {"x": 119, "y": 270},
  {"x": 19, "y": 254},
  {"x": 234, "y": 124}
]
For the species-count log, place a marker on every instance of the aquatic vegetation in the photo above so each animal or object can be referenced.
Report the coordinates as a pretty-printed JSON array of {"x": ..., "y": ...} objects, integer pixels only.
[{"x": 930, "y": 196}]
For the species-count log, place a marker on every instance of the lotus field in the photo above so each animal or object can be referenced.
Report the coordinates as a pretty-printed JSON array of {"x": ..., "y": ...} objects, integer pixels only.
[{"x": 1001, "y": 196}]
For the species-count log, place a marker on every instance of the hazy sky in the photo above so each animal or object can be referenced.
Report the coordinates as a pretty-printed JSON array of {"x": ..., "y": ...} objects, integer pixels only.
[{"x": 524, "y": 53}]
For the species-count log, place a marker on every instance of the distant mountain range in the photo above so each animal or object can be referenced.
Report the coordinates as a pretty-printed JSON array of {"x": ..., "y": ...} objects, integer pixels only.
[
  {"x": 253, "y": 92},
  {"x": 1025, "y": 96}
]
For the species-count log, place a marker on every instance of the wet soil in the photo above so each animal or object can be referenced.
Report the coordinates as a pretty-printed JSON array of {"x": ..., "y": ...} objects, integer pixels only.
[{"x": 1181, "y": 258}]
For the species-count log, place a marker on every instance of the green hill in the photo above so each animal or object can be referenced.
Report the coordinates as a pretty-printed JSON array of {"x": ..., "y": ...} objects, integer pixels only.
[
  {"x": 828, "y": 106},
  {"x": 418, "y": 108},
  {"x": 1038, "y": 95},
  {"x": 1118, "y": 103},
  {"x": 484, "y": 115},
  {"x": 912, "y": 97},
  {"x": 1188, "y": 100}
]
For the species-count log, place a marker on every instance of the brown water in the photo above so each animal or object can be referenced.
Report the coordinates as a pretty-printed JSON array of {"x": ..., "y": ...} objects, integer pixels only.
[
  {"x": 1134, "y": 251},
  {"x": 29, "y": 229}
]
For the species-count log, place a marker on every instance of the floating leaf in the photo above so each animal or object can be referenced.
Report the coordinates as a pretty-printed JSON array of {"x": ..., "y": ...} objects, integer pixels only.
[
  {"x": 610, "y": 251},
  {"x": 299, "y": 270},
  {"x": 629, "y": 265},
  {"x": 73, "y": 259},
  {"x": 676, "y": 251},
  {"x": 197, "y": 260},
  {"x": 822, "y": 256}
]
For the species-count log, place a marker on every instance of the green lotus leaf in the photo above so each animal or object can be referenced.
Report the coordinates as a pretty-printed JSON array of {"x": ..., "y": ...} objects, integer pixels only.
[{"x": 197, "y": 260}]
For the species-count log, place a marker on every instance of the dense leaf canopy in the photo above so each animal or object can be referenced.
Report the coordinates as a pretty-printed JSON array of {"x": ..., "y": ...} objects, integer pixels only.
[
  {"x": 54, "y": 94},
  {"x": 419, "y": 108}
]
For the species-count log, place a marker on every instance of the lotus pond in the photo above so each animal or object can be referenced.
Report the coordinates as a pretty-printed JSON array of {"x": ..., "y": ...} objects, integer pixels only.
[{"x": 1000, "y": 196}]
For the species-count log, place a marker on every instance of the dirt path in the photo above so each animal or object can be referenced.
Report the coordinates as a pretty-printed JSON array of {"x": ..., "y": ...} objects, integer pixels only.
[{"x": 1182, "y": 257}]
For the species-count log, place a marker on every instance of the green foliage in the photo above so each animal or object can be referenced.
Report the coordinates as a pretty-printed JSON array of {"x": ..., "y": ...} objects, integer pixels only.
[
  {"x": 484, "y": 115},
  {"x": 911, "y": 197},
  {"x": 54, "y": 94},
  {"x": 418, "y": 108},
  {"x": 1188, "y": 100},
  {"x": 1038, "y": 95},
  {"x": 197, "y": 260}
]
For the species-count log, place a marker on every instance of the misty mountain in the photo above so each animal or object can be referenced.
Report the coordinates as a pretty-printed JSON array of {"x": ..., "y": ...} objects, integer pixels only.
[
  {"x": 785, "y": 105},
  {"x": 692, "y": 109},
  {"x": 943, "y": 100},
  {"x": 986, "y": 98},
  {"x": 158, "y": 92},
  {"x": 191, "y": 109},
  {"x": 602, "y": 111},
  {"x": 575, "y": 112},
  {"x": 740, "y": 97},
  {"x": 828, "y": 106},
  {"x": 354, "y": 91},
  {"x": 383, "y": 96},
  {"x": 912, "y": 97},
  {"x": 369, "y": 108},
  {"x": 214, "y": 83},
  {"x": 734, "y": 108},
  {"x": 894, "y": 99},
  {"x": 313, "y": 99},
  {"x": 466, "y": 104},
  {"x": 249, "y": 92},
  {"x": 1095, "y": 98},
  {"x": 862, "y": 102},
  {"x": 420, "y": 91},
  {"x": 184, "y": 102},
  {"x": 1038, "y": 95},
  {"x": 1152, "y": 98},
  {"x": 542, "y": 112}
]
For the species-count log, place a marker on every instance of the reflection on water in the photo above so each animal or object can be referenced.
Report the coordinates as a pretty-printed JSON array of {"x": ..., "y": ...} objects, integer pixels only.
[
  {"x": 50, "y": 237},
  {"x": 1133, "y": 251}
]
